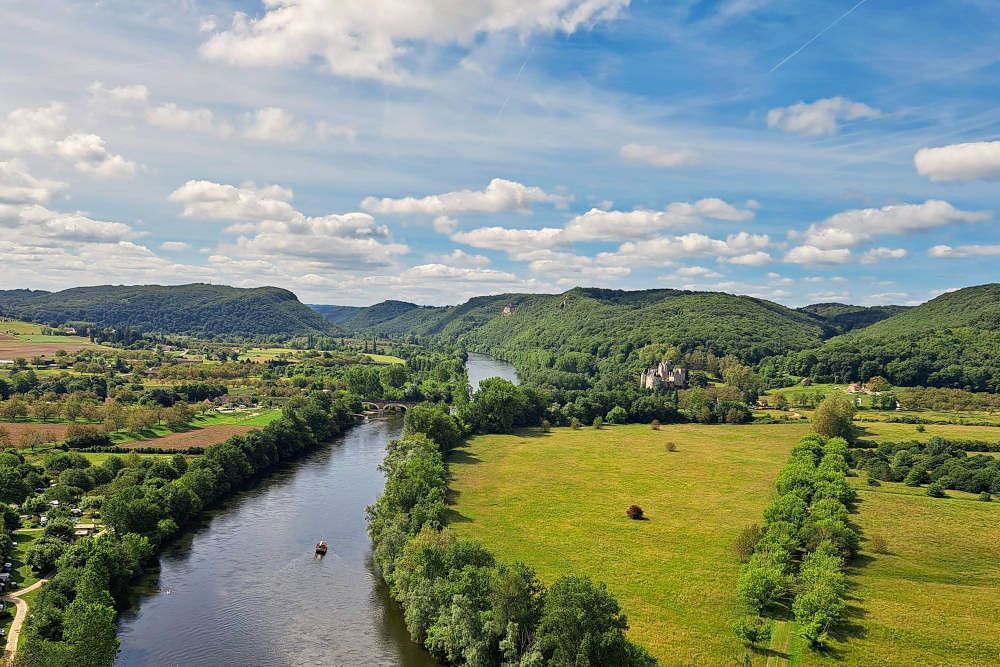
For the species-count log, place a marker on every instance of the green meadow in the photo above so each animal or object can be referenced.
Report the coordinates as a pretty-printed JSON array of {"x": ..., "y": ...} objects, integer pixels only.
[{"x": 557, "y": 502}]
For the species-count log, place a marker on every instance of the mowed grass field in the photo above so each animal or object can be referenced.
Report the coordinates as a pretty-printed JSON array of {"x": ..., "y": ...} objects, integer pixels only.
[
  {"x": 557, "y": 502},
  {"x": 934, "y": 599}
]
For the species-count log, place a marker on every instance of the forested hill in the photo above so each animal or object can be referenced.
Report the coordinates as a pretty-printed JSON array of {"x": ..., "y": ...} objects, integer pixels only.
[
  {"x": 846, "y": 318},
  {"x": 196, "y": 309},
  {"x": 336, "y": 314},
  {"x": 364, "y": 318},
  {"x": 612, "y": 324},
  {"x": 950, "y": 341},
  {"x": 977, "y": 307}
]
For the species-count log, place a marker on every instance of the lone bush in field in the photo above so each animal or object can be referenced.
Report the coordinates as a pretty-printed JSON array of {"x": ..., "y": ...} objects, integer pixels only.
[
  {"x": 985, "y": 496},
  {"x": 833, "y": 417},
  {"x": 936, "y": 490},
  {"x": 671, "y": 446},
  {"x": 747, "y": 541},
  {"x": 546, "y": 426},
  {"x": 635, "y": 512},
  {"x": 574, "y": 423},
  {"x": 753, "y": 630},
  {"x": 879, "y": 544},
  {"x": 617, "y": 415},
  {"x": 598, "y": 422}
]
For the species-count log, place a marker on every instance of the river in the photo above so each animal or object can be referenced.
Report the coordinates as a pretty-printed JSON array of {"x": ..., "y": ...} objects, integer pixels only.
[
  {"x": 480, "y": 366},
  {"x": 243, "y": 587}
]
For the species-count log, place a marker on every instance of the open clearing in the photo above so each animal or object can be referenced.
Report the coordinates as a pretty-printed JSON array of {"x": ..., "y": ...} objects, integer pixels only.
[
  {"x": 199, "y": 437},
  {"x": 557, "y": 502},
  {"x": 934, "y": 599}
]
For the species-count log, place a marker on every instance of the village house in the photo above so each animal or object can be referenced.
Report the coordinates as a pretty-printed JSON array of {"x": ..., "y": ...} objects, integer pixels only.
[{"x": 664, "y": 376}]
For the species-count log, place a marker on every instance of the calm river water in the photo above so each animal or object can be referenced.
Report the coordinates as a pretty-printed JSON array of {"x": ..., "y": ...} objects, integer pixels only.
[{"x": 244, "y": 587}]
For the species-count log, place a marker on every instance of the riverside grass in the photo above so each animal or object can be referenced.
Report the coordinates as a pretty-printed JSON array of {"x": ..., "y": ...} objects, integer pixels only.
[{"x": 557, "y": 502}]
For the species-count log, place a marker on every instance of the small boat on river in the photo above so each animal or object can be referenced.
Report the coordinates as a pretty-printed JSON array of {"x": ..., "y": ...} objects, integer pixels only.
[{"x": 321, "y": 547}]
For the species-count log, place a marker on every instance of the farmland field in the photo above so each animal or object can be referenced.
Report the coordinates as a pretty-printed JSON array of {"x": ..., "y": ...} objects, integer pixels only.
[
  {"x": 557, "y": 502},
  {"x": 18, "y": 430},
  {"x": 199, "y": 437}
]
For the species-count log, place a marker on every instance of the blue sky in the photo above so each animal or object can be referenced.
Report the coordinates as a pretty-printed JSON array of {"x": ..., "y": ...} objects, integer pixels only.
[{"x": 434, "y": 150}]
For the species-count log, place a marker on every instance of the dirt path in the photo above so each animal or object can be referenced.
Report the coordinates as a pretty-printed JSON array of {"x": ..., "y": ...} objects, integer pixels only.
[{"x": 22, "y": 612}]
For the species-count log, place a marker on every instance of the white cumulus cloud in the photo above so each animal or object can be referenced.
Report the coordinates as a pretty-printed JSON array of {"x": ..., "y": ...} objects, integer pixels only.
[
  {"x": 848, "y": 228},
  {"x": 820, "y": 117},
  {"x": 365, "y": 39},
  {"x": 979, "y": 160},
  {"x": 962, "y": 251},
  {"x": 811, "y": 255},
  {"x": 499, "y": 196}
]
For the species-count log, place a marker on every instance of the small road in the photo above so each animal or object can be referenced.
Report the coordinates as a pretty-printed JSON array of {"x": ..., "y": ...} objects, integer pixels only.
[{"x": 15, "y": 627}]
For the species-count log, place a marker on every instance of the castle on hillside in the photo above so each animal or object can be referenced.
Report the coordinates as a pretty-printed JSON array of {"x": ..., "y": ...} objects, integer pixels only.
[{"x": 664, "y": 376}]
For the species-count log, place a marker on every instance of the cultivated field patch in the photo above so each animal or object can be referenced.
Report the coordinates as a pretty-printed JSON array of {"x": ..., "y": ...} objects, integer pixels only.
[
  {"x": 200, "y": 437},
  {"x": 20, "y": 430}
]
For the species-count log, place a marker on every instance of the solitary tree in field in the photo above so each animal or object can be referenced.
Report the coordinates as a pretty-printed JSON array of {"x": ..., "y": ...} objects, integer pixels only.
[{"x": 833, "y": 417}]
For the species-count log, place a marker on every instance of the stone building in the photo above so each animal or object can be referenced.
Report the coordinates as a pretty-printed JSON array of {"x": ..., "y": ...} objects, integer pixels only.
[{"x": 664, "y": 376}]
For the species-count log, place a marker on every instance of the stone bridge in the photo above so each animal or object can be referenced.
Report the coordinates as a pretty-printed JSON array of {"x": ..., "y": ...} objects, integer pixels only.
[{"x": 383, "y": 407}]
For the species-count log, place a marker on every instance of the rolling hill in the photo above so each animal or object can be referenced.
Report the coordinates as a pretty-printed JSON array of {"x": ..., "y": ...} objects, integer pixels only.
[
  {"x": 195, "y": 309},
  {"x": 609, "y": 324},
  {"x": 845, "y": 317},
  {"x": 952, "y": 340}
]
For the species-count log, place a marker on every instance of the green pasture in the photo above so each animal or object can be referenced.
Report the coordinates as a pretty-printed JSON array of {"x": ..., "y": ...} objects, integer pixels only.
[{"x": 557, "y": 502}]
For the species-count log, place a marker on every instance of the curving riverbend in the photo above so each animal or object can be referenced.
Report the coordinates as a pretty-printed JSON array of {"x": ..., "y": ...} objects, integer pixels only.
[{"x": 244, "y": 587}]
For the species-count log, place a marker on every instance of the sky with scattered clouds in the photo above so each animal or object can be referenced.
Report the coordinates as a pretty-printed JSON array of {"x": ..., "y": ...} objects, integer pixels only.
[{"x": 433, "y": 150}]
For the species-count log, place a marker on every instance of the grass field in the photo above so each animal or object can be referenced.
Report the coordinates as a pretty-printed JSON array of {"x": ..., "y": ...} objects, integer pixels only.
[
  {"x": 935, "y": 598},
  {"x": 892, "y": 432},
  {"x": 557, "y": 501},
  {"x": 384, "y": 358}
]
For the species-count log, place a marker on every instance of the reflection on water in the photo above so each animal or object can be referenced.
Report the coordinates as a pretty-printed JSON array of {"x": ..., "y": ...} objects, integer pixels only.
[
  {"x": 245, "y": 587},
  {"x": 479, "y": 367}
]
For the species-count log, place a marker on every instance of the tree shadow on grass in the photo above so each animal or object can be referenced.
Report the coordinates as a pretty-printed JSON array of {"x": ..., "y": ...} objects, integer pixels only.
[
  {"x": 462, "y": 456},
  {"x": 452, "y": 515}
]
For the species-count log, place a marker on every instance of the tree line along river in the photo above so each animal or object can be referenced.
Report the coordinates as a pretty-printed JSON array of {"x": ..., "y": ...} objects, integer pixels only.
[{"x": 245, "y": 588}]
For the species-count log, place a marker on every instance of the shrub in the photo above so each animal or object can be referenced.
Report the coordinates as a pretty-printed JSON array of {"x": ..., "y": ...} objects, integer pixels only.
[
  {"x": 546, "y": 426},
  {"x": 747, "y": 541},
  {"x": 634, "y": 512},
  {"x": 833, "y": 417},
  {"x": 655, "y": 424},
  {"x": 574, "y": 423},
  {"x": 879, "y": 544},
  {"x": 921, "y": 428},
  {"x": 753, "y": 630},
  {"x": 874, "y": 482},
  {"x": 616, "y": 415},
  {"x": 598, "y": 422},
  {"x": 936, "y": 490},
  {"x": 671, "y": 446},
  {"x": 985, "y": 496}
]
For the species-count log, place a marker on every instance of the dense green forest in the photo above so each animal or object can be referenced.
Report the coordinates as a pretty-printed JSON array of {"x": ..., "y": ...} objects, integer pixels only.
[
  {"x": 197, "y": 309},
  {"x": 846, "y": 318},
  {"x": 951, "y": 341},
  {"x": 337, "y": 314},
  {"x": 610, "y": 323}
]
